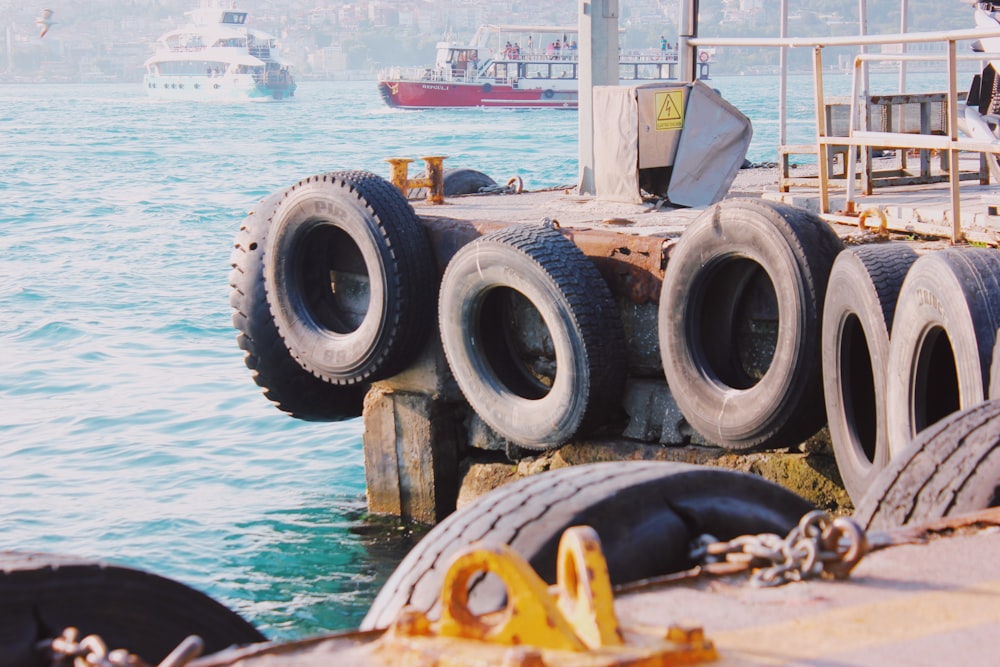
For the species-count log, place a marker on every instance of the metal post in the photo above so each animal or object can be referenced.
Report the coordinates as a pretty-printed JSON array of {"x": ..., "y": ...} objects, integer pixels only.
[
  {"x": 903, "y": 11},
  {"x": 823, "y": 152},
  {"x": 598, "y": 66},
  {"x": 687, "y": 27},
  {"x": 954, "y": 177},
  {"x": 863, "y": 27},
  {"x": 783, "y": 82}
]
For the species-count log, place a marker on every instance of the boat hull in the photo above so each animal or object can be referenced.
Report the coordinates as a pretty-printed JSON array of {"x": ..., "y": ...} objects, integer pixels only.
[
  {"x": 441, "y": 94},
  {"x": 222, "y": 88}
]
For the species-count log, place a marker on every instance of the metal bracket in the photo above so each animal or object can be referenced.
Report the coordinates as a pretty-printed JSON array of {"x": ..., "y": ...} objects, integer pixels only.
[
  {"x": 433, "y": 178},
  {"x": 539, "y": 625}
]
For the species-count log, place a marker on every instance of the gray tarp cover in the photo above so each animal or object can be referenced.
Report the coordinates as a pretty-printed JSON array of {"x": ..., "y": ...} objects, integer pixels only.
[{"x": 712, "y": 147}]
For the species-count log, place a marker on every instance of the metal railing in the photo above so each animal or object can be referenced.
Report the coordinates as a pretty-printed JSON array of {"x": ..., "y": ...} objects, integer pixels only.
[{"x": 952, "y": 143}]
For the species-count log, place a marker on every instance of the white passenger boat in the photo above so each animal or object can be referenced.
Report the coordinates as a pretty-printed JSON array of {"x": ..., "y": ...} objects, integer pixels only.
[{"x": 217, "y": 57}]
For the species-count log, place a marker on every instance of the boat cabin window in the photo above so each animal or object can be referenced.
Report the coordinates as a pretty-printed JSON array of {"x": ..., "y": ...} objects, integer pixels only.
[
  {"x": 462, "y": 56},
  {"x": 235, "y": 18},
  {"x": 537, "y": 71},
  {"x": 563, "y": 71},
  {"x": 499, "y": 71},
  {"x": 649, "y": 71}
]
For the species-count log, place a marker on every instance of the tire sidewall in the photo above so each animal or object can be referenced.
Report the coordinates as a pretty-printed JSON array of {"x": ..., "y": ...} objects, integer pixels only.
[
  {"x": 933, "y": 297},
  {"x": 741, "y": 234},
  {"x": 850, "y": 294},
  {"x": 314, "y": 206},
  {"x": 470, "y": 277}
]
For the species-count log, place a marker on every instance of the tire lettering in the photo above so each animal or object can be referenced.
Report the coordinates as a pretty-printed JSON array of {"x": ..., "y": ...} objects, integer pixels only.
[
  {"x": 328, "y": 207},
  {"x": 927, "y": 298}
]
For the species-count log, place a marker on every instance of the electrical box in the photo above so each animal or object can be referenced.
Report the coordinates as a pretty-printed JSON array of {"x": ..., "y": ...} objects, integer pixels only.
[{"x": 681, "y": 142}]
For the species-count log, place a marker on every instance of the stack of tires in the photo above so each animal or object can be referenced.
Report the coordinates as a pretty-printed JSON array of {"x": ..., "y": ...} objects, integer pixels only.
[
  {"x": 765, "y": 320},
  {"x": 768, "y": 327},
  {"x": 334, "y": 284}
]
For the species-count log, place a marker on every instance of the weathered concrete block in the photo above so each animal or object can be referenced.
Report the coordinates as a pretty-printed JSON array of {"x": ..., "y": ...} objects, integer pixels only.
[
  {"x": 411, "y": 447},
  {"x": 812, "y": 476},
  {"x": 653, "y": 413},
  {"x": 428, "y": 374},
  {"x": 641, "y": 337}
]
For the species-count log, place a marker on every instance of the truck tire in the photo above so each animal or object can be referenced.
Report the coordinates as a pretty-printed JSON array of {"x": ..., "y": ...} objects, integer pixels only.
[
  {"x": 951, "y": 468},
  {"x": 350, "y": 277},
  {"x": 465, "y": 181},
  {"x": 943, "y": 336},
  {"x": 646, "y": 513},
  {"x": 289, "y": 386},
  {"x": 739, "y": 323},
  {"x": 532, "y": 335},
  {"x": 857, "y": 318},
  {"x": 43, "y": 594}
]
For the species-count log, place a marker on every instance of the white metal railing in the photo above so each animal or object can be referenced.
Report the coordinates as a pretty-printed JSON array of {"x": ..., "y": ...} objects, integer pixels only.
[{"x": 951, "y": 143}]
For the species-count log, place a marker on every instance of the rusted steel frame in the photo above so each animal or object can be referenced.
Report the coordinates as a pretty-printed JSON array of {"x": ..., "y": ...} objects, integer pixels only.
[{"x": 633, "y": 266}]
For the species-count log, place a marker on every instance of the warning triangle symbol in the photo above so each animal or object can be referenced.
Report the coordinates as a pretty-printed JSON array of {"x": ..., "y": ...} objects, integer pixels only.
[{"x": 668, "y": 110}]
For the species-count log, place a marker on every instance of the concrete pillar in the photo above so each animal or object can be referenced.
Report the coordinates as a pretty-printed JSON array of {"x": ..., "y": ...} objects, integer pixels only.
[
  {"x": 598, "y": 66},
  {"x": 411, "y": 445}
]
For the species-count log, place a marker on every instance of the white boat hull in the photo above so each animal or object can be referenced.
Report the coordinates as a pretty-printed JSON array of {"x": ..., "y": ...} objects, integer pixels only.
[{"x": 237, "y": 87}]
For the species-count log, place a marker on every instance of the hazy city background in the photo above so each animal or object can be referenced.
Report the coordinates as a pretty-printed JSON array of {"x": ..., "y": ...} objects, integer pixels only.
[{"x": 108, "y": 40}]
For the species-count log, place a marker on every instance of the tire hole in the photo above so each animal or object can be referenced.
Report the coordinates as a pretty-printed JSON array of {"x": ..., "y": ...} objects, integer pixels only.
[
  {"x": 737, "y": 329},
  {"x": 935, "y": 385},
  {"x": 858, "y": 385},
  {"x": 517, "y": 344},
  {"x": 334, "y": 279}
]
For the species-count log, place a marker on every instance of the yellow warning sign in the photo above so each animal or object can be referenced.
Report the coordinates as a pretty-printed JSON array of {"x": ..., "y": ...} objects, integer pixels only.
[{"x": 670, "y": 109}]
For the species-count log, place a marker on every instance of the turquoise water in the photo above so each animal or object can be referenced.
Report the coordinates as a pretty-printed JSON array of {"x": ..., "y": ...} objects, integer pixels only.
[{"x": 130, "y": 429}]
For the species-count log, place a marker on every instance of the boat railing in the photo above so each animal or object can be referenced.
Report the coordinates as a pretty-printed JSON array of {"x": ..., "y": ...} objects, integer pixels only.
[{"x": 951, "y": 143}]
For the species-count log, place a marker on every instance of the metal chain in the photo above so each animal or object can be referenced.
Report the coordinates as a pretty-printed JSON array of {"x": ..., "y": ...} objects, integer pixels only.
[
  {"x": 92, "y": 651},
  {"x": 818, "y": 546}
]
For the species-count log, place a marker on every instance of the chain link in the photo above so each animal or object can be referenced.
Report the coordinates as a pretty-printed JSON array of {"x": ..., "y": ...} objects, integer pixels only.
[
  {"x": 818, "y": 546},
  {"x": 92, "y": 651}
]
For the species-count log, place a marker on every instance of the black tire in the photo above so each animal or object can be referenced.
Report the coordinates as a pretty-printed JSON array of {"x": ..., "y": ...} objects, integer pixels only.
[
  {"x": 739, "y": 323},
  {"x": 549, "y": 94},
  {"x": 951, "y": 468},
  {"x": 43, "y": 594},
  {"x": 487, "y": 87},
  {"x": 646, "y": 513},
  {"x": 942, "y": 339},
  {"x": 292, "y": 388},
  {"x": 532, "y": 335},
  {"x": 857, "y": 318},
  {"x": 465, "y": 182},
  {"x": 356, "y": 229}
]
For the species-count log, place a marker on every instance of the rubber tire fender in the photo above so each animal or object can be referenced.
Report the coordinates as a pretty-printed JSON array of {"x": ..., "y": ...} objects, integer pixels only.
[
  {"x": 43, "y": 594},
  {"x": 646, "y": 513},
  {"x": 483, "y": 285},
  {"x": 857, "y": 318},
  {"x": 943, "y": 336},
  {"x": 740, "y": 263},
  {"x": 359, "y": 228},
  {"x": 950, "y": 468},
  {"x": 289, "y": 386},
  {"x": 465, "y": 182}
]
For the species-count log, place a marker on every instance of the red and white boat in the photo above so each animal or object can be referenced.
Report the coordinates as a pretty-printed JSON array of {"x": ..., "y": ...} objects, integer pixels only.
[{"x": 515, "y": 67}]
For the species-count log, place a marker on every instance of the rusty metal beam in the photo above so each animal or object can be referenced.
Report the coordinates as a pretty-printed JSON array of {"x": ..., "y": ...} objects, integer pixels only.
[{"x": 633, "y": 266}]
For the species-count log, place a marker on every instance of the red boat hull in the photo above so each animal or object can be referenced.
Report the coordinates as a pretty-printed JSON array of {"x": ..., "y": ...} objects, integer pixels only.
[{"x": 439, "y": 94}]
